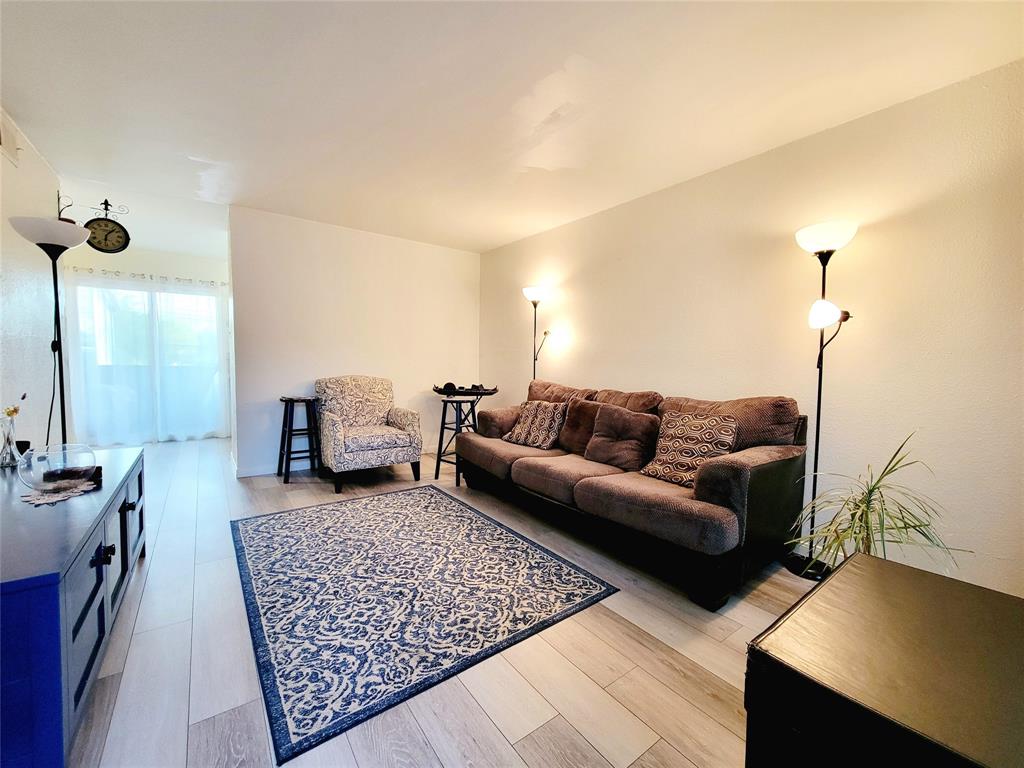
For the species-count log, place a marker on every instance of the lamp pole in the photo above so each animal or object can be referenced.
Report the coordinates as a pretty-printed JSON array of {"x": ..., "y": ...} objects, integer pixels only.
[
  {"x": 536, "y": 352},
  {"x": 57, "y": 346},
  {"x": 823, "y": 257}
]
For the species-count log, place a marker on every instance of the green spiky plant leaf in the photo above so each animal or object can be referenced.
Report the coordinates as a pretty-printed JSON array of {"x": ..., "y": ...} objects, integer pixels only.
[{"x": 873, "y": 511}]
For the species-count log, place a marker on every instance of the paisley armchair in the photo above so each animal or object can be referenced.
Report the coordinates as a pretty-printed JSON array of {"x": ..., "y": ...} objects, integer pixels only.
[{"x": 361, "y": 428}]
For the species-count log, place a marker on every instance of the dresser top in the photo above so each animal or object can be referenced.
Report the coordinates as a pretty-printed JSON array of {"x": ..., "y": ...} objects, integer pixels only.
[
  {"x": 41, "y": 542},
  {"x": 939, "y": 656}
]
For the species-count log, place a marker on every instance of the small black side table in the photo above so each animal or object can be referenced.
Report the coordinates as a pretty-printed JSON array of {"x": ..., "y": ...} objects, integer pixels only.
[
  {"x": 311, "y": 432},
  {"x": 463, "y": 417},
  {"x": 896, "y": 666}
]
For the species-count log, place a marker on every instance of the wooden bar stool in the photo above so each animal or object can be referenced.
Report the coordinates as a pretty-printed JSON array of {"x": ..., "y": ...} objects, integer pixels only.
[
  {"x": 311, "y": 432},
  {"x": 463, "y": 417}
]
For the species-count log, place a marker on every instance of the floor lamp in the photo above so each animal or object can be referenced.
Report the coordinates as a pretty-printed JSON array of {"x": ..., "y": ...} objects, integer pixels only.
[
  {"x": 53, "y": 236},
  {"x": 535, "y": 294},
  {"x": 822, "y": 240}
]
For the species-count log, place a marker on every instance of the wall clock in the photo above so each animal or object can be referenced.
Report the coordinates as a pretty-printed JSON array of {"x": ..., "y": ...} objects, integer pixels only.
[{"x": 107, "y": 235}]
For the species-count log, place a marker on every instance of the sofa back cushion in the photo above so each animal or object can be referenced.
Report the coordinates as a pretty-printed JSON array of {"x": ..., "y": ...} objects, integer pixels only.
[
  {"x": 622, "y": 438},
  {"x": 759, "y": 420},
  {"x": 641, "y": 402},
  {"x": 551, "y": 392},
  {"x": 538, "y": 424},
  {"x": 579, "y": 425}
]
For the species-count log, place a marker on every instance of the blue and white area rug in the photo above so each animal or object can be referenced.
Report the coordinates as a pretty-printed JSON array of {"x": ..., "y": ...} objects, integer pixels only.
[{"x": 357, "y": 605}]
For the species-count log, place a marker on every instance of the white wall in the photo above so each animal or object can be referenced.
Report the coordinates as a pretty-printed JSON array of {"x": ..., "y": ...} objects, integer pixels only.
[
  {"x": 314, "y": 300},
  {"x": 701, "y": 290},
  {"x": 26, "y": 295}
]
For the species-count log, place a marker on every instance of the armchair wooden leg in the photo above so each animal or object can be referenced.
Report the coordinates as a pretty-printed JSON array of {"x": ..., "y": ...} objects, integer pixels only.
[
  {"x": 415, "y": 470},
  {"x": 337, "y": 482}
]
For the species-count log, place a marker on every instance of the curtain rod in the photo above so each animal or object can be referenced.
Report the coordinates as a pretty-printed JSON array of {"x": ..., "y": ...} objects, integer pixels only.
[{"x": 146, "y": 276}]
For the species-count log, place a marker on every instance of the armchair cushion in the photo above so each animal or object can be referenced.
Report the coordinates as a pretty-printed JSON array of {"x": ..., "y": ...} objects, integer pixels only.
[
  {"x": 373, "y": 437},
  {"x": 356, "y": 400},
  {"x": 497, "y": 422}
]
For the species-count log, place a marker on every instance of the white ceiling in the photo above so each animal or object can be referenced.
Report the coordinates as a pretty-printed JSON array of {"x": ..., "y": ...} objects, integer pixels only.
[{"x": 463, "y": 124}]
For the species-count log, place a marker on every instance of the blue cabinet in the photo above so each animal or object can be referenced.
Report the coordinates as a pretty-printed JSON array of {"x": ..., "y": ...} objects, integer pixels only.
[{"x": 64, "y": 570}]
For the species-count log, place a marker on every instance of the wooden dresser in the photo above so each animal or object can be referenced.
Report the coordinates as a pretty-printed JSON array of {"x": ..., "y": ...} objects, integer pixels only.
[{"x": 64, "y": 572}]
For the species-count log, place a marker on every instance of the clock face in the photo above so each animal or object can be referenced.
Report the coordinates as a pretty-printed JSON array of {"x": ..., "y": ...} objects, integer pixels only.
[{"x": 108, "y": 236}]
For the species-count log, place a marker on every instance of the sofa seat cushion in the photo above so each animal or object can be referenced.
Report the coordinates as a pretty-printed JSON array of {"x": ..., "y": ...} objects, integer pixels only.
[
  {"x": 556, "y": 477},
  {"x": 496, "y": 455},
  {"x": 664, "y": 510},
  {"x": 373, "y": 437}
]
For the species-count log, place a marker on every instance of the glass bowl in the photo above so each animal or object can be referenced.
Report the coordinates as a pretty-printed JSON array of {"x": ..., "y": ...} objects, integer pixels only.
[{"x": 56, "y": 466}]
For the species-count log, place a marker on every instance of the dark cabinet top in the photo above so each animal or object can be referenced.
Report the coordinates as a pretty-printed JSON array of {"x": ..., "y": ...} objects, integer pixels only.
[
  {"x": 939, "y": 656},
  {"x": 40, "y": 543}
]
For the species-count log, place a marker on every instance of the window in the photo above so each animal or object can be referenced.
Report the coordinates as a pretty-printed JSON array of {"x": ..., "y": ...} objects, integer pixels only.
[{"x": 147, "y": 362}]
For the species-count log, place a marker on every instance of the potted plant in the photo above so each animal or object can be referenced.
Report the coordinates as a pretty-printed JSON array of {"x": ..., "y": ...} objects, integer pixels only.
[{"x": 873, "y": 511}]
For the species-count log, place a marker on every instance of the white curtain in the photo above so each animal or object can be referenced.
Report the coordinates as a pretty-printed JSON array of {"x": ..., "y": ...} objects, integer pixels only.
[{"x": 148, "y": 358}]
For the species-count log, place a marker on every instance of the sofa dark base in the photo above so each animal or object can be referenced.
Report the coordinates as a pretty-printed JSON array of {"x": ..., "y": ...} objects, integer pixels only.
[{"x": 708, "y": 580}]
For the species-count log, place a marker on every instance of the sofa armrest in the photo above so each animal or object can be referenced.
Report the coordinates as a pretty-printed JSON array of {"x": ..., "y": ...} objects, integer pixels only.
[
  {"x": 763, "y": 485},
  {"x": 407, "y": 420},
  {"x": 332, "y": 439},
  {"x": 497, "y": 422}
]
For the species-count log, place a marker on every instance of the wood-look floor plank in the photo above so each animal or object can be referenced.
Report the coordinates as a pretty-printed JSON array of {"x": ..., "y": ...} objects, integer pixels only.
[
  {"x": 333, "y": 753},
  {"x": 149, "y": 725},
  {"x": 711, "y": 654},
  {"x": 512, "y": 703},
  {"x": 703, "y": 740},
  {"x": 683, "y": 675},
  {"x": 459, "y": 730},
  {"x": 87, "y": 748},
  {"x": 557, "y": 744},
  {"x": 598, "y": 660},
  {"x": 603, "y": 564},
  {"x": 236, "y": 738},
  {"x": 613, "y": 730},
  {"x": 662, "y": 755},
  {"x": 223, "y": 669},
  {"x": 392, "y": 739},
  {"x": 739, "y": 639}
]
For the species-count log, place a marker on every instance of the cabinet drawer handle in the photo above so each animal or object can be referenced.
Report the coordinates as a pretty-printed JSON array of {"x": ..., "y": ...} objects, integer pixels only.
[
  {"x": 130, "y": 506},
  {"x": 103, "y": 556}
]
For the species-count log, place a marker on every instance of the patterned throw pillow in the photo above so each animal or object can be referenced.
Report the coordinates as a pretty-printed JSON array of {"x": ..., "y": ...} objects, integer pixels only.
[
  {"x": 538, "y": 424},
  {"x": 687, "y": 440}
]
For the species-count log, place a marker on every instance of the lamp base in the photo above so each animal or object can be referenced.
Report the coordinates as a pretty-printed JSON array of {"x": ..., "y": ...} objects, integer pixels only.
[{"x": 807, "y": 567}]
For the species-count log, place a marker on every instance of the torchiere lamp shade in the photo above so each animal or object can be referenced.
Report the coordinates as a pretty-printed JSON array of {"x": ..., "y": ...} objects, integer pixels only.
[
  {"x": 827, "y": 236},
  {"x": 44, "y": 231},
  {"x": 535, "y": 293},
  {"x": 823, "y": 314}
]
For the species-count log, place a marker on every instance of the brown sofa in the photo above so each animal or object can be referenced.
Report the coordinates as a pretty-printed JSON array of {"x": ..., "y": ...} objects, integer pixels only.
[{"x": 737, "y": 517}]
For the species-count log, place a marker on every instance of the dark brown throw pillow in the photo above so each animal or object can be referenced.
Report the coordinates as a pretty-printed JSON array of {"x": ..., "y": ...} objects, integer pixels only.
[
  {"x": 622, "y": 438},
  {"x": 538, "y": 424},
  {"x": 687, "y": 440},
  {"x": 579, "y": 425}
]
